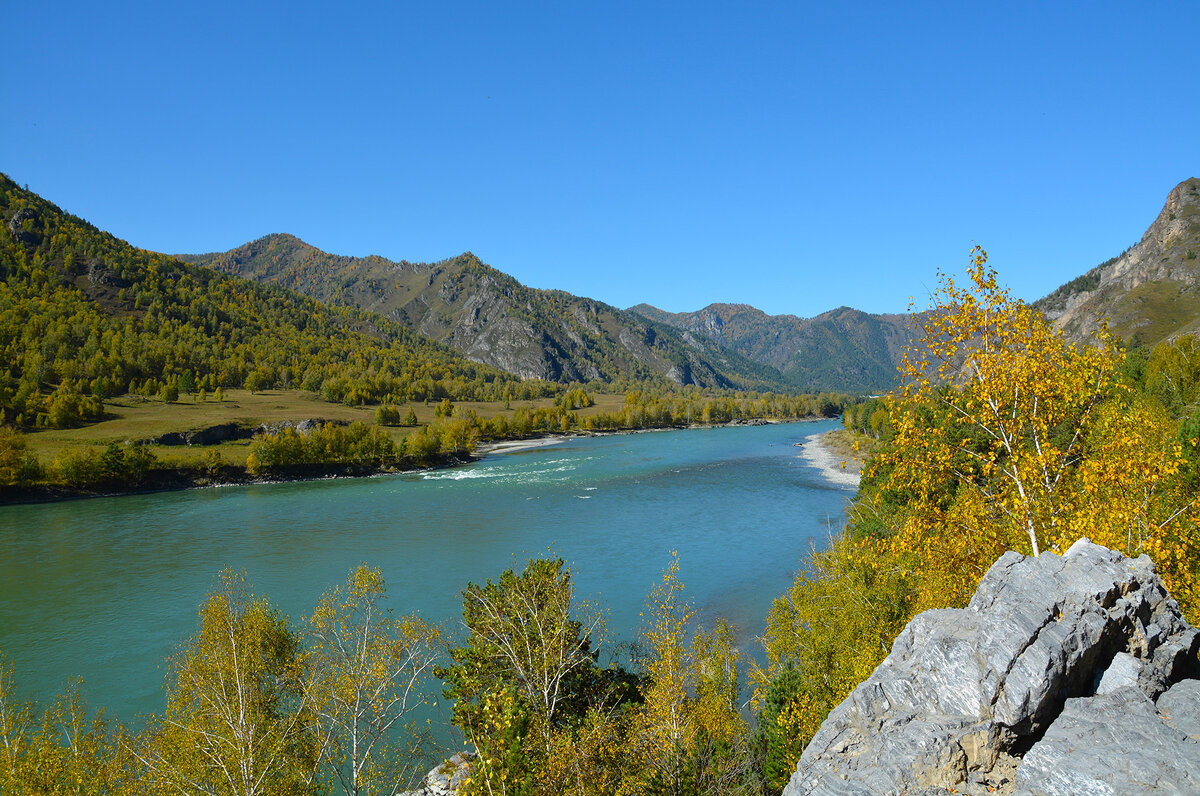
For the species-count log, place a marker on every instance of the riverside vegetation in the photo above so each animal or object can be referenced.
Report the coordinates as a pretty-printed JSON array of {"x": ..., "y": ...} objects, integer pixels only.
[
  {"x": 1003, "y": 437},
  {"x": 90, "y": 326},
  {"x": 394, "y": 437}
]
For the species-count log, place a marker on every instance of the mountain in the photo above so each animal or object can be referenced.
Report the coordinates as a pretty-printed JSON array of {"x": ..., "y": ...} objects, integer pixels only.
[
  {"x": 492, "y": 318},
  {"x": 843, "y": 349},
  {"x": 1152, "y": 290},
  {"x": 85, "y": 316}
]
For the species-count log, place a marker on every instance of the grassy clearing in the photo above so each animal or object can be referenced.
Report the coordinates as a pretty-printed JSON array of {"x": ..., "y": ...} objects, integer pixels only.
[{"x": 134, "y": 418}]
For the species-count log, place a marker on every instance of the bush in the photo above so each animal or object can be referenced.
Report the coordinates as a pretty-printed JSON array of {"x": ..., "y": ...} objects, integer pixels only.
[
  {"x": 17, "y": 465},
  {"x": 327, "y": 446},
  {"x": 387, "y": 416},
  {"x": 124, "y": 464}
]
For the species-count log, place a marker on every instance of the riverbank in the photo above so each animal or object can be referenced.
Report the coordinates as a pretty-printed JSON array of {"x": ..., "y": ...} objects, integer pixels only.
[
  {"x": 512, "y": 446},
  {"x": 170, "y": 479},
  {"x": 174, "y": 479},
  {"x": 834, "y": 455}
]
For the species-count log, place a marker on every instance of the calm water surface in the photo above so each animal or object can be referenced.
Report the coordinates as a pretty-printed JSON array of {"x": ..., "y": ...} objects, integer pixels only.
[{"x": 105, "y": 589}]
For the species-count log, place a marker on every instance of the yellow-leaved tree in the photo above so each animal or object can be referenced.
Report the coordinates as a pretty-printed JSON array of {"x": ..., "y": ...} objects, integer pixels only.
[
  {"x": 824, "y": 636},
  {"x": 60, "y": 750},
  {"x": 1007, "y": 436},
  {"x": 238, "y": 709},
  {"x": 1003, "y": 435},
  {"x": 687, "y": 736},
  {"x": 368, "y": 670}
]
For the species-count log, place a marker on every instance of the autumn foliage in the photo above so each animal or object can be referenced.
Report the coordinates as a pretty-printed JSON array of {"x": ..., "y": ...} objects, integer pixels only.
[{"x": 1002, "y": 436}]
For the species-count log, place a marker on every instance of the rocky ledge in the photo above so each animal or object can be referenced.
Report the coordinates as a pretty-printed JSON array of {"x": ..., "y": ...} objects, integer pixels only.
[
  {"x": 444, "y": 780},
  {"x": 1064, "y": 675}
]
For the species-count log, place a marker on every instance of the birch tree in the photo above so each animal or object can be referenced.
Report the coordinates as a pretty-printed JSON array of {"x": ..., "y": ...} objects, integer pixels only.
[
  {"x": 238, "y": 712},
  {"x": 524, "y": 633},
  {"x": 1008, "y": 436},
  {"x": 368, "y": 671}
]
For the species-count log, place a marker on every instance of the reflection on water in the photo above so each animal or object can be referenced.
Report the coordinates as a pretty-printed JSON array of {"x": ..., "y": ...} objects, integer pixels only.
[{"x": 106, "y": 589}]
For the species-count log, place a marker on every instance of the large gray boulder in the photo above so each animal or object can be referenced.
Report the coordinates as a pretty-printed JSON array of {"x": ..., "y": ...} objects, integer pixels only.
[
  {"x": 1013, "y": 694},
  {"x": 444, "y": 779}
]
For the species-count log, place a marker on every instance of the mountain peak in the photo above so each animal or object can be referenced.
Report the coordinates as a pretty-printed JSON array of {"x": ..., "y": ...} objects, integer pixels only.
[
  {"x": 842, "y": 349},
  {"x": 1151, "y": 290},
  {"x": 490, "y": 317}
]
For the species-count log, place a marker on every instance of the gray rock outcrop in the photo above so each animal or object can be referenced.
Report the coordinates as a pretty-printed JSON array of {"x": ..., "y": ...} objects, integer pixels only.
[
  {"x": 1072, "y": 674},
  {"x": 209, "y": 435},
  {"x": 444, "y": 780}
]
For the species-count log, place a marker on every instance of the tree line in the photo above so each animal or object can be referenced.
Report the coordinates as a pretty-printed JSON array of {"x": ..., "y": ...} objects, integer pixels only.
[
  {"x": 84, "y": 316},
  {"x": 362, "y": 448}
]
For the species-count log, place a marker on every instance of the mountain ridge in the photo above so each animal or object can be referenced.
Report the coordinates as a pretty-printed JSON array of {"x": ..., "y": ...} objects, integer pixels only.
[
  {"x": 857, "y": 350},
  {"x": 492, "y": 318},
  {"x": 1151, "y": 290}
]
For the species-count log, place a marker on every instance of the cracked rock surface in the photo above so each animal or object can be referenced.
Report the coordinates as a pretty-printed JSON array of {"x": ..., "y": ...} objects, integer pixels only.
[
  {"x": 446, "y": 779},
  {"x": 1065, "y": 674}
]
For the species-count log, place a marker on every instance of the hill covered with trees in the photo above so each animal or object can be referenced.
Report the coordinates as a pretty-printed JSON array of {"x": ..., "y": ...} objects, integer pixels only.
[
  {"x": 93, "y": 331},
  {"x": 85, "y": 316}
]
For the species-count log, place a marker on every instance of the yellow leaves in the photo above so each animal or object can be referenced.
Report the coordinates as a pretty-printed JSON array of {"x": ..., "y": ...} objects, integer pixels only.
[
  {"x": 833, "y": 627},
  {"x": 998, "y": 404},
  {"x": 1005, "y": 437},
  {"x": 690, "y": 696}
]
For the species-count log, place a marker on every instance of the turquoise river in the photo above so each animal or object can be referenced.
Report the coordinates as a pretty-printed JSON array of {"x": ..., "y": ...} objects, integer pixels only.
[{"x": 106, "y": 589}]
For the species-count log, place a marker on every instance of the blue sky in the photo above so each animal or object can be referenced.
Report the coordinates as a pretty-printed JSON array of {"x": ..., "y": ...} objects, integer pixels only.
[{"x": 793, "y": 156}]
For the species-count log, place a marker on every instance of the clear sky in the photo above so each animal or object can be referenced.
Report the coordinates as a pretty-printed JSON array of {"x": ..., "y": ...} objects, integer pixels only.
[{"x": 793, "y": 156}]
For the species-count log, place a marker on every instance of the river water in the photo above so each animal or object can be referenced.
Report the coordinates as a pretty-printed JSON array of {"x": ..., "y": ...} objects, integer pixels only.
[{"x": 106, "y": 589}]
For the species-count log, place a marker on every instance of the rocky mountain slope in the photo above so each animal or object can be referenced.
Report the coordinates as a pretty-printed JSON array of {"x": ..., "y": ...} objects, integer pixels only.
[
  {"x": 494, "y": 319},
  {"x": 1064, "y": 675},
  {"x": 841, "y": 349},
  {"x": 1152, "y": 290}
]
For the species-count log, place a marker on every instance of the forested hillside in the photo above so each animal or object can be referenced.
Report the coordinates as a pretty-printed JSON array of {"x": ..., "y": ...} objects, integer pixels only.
[
  {"x": 85, "y": 316},
  {"x": 490, "y": 317},
  {"x": 843, "y": 349}
]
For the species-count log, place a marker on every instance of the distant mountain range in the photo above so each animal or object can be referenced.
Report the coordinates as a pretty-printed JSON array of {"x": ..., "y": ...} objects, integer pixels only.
[
  {"x": 843, "y": 349},
  {"x": 492, "y": 318},
  {"x": 1151, "y": 291}
]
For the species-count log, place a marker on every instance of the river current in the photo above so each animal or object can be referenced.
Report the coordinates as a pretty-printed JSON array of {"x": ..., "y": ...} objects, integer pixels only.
[{"x": 106, "y": 589}]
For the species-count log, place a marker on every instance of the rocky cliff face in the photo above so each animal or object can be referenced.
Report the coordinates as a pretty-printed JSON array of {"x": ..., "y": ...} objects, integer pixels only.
[
  {"x": 1151, "y": 290},
  {"x": 1064, "y": 675}
]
